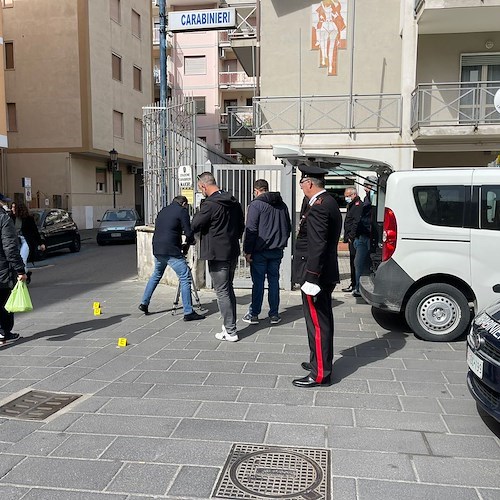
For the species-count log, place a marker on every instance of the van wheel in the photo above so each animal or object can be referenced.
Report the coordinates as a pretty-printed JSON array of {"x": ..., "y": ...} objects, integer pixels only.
[{"x": 438, "y": 312}]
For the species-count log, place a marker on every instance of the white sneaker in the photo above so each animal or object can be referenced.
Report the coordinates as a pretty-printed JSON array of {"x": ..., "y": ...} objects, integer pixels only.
[{"x": 226, "y": 336}]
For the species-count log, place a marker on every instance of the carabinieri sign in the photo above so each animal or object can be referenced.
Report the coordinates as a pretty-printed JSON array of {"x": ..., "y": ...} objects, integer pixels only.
[{"x": 209, "y": 19}]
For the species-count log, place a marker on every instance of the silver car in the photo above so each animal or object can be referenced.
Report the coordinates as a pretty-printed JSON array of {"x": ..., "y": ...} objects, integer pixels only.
[{"x": 118, "y": 225}]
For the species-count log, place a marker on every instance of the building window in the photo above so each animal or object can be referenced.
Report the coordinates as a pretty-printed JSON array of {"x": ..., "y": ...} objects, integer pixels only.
[
  {"x": 7, "y": 3},
  {"x": 11, "y": 117},
  {"x": 138, "y": 130},
  {"x": 199, "y": 103},
  {"x": 9, "y": 55},
  {"x": 195, "y": 65},
  {"x": 100, "y": 180},
  {"x": 118, "y": 181},
  {"x": 115, "y": 10},
  {"x": 116, "y": 67},
  {"x": 137, "y": 79},
  {"x": 136, "y": 24},
  {"x": 117, "y": 124}
]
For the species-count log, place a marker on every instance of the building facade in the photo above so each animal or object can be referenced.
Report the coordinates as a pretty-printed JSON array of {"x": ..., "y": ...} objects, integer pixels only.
[{"x": 79, "y": 75}]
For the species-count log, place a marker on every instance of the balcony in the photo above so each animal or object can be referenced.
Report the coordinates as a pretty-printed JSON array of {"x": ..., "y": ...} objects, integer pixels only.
[
  {"x": 236, "y": 79},
  {"x": 328, "y": 114},
  {"x": 459, "y": 111},
  {"x": 156, "y": 36},
  {"x": 156, "y": 73},
  {"x": 457, "y": 16},
  {"x": 239, "y": 123}
]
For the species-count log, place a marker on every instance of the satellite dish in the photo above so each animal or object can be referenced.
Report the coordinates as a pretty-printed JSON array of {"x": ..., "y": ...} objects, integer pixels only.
[{"x": 496, "y": 100}]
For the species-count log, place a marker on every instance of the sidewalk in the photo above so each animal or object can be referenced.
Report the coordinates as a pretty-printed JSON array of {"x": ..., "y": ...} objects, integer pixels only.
[{"x": 159, "y": 417}]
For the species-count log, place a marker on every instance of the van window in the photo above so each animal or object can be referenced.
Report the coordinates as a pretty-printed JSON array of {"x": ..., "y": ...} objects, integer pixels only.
[
  {"x": 490, "y": 207},
  {"x": 441, "y": 205}
]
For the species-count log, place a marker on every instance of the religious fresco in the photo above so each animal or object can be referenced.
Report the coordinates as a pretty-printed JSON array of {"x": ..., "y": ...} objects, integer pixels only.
[{"x": 329, "y": 22}]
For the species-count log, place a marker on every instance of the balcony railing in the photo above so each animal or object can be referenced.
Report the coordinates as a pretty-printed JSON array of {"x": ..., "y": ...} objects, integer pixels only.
[
  {"x": 459, "y": 103},
  {"x": 328, "y": 114},
  {"x": 236, "y": 79},
  {"x": 156, "y": 36},
  {"x": 240, "y": 122},
  {"x": 156, "y": 72}
]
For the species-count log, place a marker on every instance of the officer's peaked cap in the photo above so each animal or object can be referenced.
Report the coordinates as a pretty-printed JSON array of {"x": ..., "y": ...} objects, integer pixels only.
[{"x": 311, "y": 171}]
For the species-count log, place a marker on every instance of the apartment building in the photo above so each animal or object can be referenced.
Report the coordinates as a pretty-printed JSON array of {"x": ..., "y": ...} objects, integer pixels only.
[
  {"x": 77, "y": 74},
  {"x": 204, "y": 65},
  {"x": 408, "y": 82},
  {"x": 5, "y": 53}
]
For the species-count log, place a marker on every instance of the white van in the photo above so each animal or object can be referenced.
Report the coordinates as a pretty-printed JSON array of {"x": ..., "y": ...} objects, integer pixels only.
[
  {"x": 441, "y": 235},
  {"x": 438, "y": 254}
]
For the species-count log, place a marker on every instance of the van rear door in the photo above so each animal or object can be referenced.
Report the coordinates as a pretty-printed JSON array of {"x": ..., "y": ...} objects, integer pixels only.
[{"x": 485, "y": 236}]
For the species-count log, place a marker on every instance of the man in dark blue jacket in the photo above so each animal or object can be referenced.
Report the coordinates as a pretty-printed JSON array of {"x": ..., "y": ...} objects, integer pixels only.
[
  {"x": 220, "y": 222},
  {"x": 168, "y": 250},
  {"x": 266, "y": 235}
]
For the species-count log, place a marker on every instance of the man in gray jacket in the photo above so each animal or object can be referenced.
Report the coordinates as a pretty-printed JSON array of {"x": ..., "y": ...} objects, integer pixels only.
[{"x": 266, "y": 235}]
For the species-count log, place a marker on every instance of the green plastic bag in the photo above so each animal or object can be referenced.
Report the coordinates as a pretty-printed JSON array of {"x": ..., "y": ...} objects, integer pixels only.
[{"x": 19, "y": 300}]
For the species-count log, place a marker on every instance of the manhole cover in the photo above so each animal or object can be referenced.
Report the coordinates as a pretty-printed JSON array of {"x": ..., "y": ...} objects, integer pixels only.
[
  {"x": 36, "y": 405},
  {"x": 256, "y": 472}
]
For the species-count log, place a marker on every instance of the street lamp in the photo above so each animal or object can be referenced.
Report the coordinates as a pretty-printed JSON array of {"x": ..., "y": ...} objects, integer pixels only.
[{"x": 113, "y": 155}]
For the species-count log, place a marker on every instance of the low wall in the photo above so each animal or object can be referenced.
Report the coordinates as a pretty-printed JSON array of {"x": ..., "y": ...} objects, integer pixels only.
[{"x": 145, "y": 260}]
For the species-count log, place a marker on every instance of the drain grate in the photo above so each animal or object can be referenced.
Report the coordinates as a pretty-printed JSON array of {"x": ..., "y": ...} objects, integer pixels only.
[
  {"x": 36, "y": 405},
  {"x": 256, "y": 472}
]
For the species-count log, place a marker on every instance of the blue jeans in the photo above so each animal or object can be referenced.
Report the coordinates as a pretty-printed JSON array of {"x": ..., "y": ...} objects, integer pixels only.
[
  {"x": 180, "y": 267},
  {"x": 362, "y": 261},
  {"x": 265, "y": 263}
]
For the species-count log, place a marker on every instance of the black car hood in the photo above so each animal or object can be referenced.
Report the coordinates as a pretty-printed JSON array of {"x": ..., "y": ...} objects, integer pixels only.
[{"x": 494, "y": 311}]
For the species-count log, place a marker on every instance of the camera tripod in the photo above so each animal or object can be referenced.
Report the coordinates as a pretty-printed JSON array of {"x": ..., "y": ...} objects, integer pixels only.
[{"x": 194, "y": 293}]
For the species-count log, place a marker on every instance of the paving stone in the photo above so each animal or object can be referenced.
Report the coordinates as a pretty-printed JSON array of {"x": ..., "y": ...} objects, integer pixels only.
[
  {"x": 226, "y": 411},
  {"x": 463, "y": 446},
  {"x": 62, "y": 379},
  {"x": 385, "y": 387},
  {"x": 241, "y": 380},
  {"x": 168, "y": 451},
  {"x": 62, "y": 473},
  {"x": 488, "y": 494},
  {"x": 373, "y": 465},
  {"x": 171, "y": 378},
  {"x": 82, "y": 446},
  {"x": 12, "y": 431},
  {"x": 300, "y": 414},
  {"x": 349, "y": 400},
  {"x": 194, "y": 393},
  {"x": 125, "y": 425},
  {"x": 296, "y": 435},
  {"x": 419, "y": 376},
  {"x": 399, "y": 420},
  {"x": 38, "y": 443},
  {"x": 168, "y": 356},
  {"x": 229, "y": 356},
  {"x": 271, "y": 368},
  {"x": 292, "y": 396},
  {"x": 426, "y": 389},
  {"x": 207, "y": 366},
  {"x": 459, "y": 406},
  {"x": 194, "y": 482},
  {"x": 44, "y": 494},
  {"x": 458, "y": 471},
  {"x": 420, "y": 404},
  {"x": 471, "y": 425},
  {"x": 147, "y": 479},
  {"x": 343, "y": 488},
  {"x": 7, "y": 462},
  {"x": 220, "y": 430},
  {"x": 386, "y": 490},
  {"x": 61, "y": 422},
  {"x": 355, "y": 438},
  {"x": 132, "y": 406},
  {"x": 459, "y": 391},
  {"x": 13, "y": 493}
]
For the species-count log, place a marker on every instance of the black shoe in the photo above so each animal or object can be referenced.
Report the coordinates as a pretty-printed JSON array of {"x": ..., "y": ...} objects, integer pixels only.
[
  {"x": 28, "y": 279},
  {"x": 308, "y": 381},
  {"x": 356, "y": 293},
  {"x": 349, "y": 289},
  {"x": 5, "y": 337},
  {"x": 144, "y": 308},
  {"x": 306, "y": 366},
  {"x": 194, "y": 316}
]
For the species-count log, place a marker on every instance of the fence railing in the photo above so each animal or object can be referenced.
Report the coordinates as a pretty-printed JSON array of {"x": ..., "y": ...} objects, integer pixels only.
[
  {"x": 236, "y": 79},
  {"x": 240, "y": 122},
  {"x": 328, "y": 114},
  {"x": 456, "y": 103}
]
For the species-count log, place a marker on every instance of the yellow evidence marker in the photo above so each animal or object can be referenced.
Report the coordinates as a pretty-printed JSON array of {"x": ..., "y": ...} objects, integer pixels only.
[
  {"x": 122, "y": 342},
  {"x": 97, "y": 309}
]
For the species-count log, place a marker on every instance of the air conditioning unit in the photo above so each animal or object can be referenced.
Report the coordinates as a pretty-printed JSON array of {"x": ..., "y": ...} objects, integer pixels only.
[{"x": 132, "y": 169}]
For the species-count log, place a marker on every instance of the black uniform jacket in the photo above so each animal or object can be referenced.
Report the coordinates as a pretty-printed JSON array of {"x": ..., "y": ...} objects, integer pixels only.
[
  {"x": 220, "y": 222},
  {"x": 354, "y": 211},
  {"x": 171, "y": 222},
  {"x": 315, "y": 258},
  {"x": 11, "y": 263}
]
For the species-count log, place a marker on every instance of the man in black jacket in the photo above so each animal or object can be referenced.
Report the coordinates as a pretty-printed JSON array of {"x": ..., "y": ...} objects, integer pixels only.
[
  {"x": 220, "y": 222},
  {"x": 354, "y": 210},
  {"x": 266, "y": 235},
  {"x": 168, "y": 250},
  {"x": 11, "y": 268},
  {"x": 316, "y": 268}
]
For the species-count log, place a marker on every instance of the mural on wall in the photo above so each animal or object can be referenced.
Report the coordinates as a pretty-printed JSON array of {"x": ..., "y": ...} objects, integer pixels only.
[{"x": 329, "y": 22}]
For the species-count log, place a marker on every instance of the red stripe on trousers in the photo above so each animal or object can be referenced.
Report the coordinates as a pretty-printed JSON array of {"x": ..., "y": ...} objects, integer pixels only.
[{"x": 317, "y": 338}]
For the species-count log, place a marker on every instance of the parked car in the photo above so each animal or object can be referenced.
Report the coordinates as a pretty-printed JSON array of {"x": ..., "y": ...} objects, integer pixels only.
[
  {"x": 118, "y": 225},
  {"x": 57, "y": 229},
  {"x": 436, "y": 231},
  {"x": 483, "y": 359}
]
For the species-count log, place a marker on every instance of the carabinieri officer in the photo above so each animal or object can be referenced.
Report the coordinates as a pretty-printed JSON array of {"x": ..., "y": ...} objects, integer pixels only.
[{"x": 315, "y": 267}]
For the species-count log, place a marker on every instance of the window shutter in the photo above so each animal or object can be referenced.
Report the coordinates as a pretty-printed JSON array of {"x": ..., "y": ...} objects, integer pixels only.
[
  {"x": 136, "y": 24},
  {"x": 137, "y": 79},
  {"x": 114, "y": 10},
  {"x": 116, "y": 67},
  {"x": 195, "y": 65},
  {"x": 481, "y": 59},
  {"x": 117, "y": 124}
]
